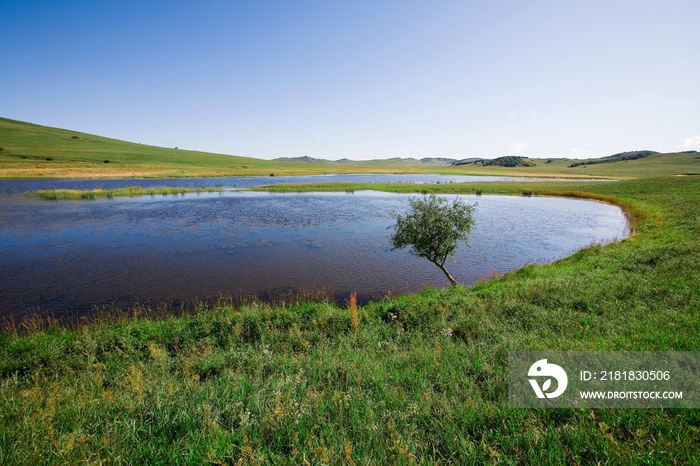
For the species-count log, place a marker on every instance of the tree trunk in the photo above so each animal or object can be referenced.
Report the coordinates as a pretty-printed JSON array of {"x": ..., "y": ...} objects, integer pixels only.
[{"x": 453, "y": 282}]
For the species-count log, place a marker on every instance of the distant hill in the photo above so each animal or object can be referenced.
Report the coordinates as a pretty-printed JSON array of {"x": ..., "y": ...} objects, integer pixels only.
[
  {"x": 620, "y": 157},
  {"x": 438, "y": 161},
  {"x": 467, "y": 161},
  {"x": 394, "y": 160},
  {"x": 303, "y": 159},
  {"x": 631, "y": 155}
]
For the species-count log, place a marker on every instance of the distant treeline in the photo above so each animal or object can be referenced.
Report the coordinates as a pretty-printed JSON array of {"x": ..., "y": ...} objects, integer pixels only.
[
  {"x": 509, "y": 161},
  {"x": 505, "y": 161},
  {"x": 622, "y": 156}
]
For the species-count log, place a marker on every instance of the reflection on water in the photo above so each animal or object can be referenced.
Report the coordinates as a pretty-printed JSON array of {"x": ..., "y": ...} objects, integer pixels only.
[{"x": 68, "y": 256}]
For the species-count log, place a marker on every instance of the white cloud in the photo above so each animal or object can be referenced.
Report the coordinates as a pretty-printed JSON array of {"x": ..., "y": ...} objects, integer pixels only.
[
  {"x": 512, "y": 115},
  {"x": 518, "y": 147},
  {"x": 692, "y": 141},
  {"x": 573, "y": 149}
]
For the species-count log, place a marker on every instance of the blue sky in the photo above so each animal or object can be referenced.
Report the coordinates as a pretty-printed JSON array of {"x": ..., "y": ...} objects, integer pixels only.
[{"x": 360, "y": 79}]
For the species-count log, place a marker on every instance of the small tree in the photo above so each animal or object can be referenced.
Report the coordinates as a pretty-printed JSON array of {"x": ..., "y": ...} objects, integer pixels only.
[{"x": 433, "y": 229}]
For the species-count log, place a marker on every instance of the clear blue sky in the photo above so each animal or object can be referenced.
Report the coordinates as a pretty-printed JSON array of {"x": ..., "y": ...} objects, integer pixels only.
[{"x": 360, "y": 79}]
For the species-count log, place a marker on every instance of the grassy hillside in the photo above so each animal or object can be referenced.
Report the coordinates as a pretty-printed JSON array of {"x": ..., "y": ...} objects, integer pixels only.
[
  {"x": 418, "y": 379},
  {"x": 653, "y": 165},
  {"x": 33, "y": 151}
]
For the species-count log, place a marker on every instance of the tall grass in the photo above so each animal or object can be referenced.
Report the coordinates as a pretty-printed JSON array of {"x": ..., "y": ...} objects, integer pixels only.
[
  {"x": 131, "y": 191},
  {"x": 354, "y": 316}
]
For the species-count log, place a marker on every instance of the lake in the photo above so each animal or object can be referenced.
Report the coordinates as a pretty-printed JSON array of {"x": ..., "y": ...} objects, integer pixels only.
[
  {"x": 237, "y": 182},
  {"x": 64, "y": 258}
]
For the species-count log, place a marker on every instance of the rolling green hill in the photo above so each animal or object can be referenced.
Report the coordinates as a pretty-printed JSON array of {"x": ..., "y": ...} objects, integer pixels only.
[{"x": 34, "y": 151}]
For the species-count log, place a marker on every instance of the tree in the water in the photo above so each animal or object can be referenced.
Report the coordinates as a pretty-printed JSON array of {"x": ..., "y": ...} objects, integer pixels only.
[{"x": 433, "y": 229}]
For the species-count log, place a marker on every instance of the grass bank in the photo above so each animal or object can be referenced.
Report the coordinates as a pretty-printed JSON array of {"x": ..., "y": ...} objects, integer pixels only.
[
  {"x": 131, "y": 191},
  {"x": 414, "y": 379}
]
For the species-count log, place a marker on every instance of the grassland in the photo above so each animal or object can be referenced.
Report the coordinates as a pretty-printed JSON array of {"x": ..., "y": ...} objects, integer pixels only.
[
  {"x": 33, "y": 151},
  {"x": 418, "y": 379},
  {"x": 131, "y": 191}
]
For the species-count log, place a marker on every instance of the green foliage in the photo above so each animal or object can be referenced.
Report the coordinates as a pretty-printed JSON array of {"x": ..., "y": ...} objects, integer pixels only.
[
  {"x": 433, "y": 229},
  {"x": 509, "y": 161}
]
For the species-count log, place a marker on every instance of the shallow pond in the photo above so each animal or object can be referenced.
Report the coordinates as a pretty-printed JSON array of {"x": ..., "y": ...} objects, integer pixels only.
[{"x": 66, "y": 257}]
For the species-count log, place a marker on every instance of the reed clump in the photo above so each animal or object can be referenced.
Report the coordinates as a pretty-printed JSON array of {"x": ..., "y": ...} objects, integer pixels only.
[
  {"x": 132, "y": 191},
  {"x": 354, "y": 316}
]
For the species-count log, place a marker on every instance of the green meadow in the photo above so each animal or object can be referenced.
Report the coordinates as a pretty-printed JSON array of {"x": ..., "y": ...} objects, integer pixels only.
[
  {"x": 34, "y": 151},
  {"x": 417, "y": 379}
]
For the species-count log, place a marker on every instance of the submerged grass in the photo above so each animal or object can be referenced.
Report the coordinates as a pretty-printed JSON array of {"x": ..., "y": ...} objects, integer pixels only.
[
  {"x": 131, "y": 191},
  {"x": 417, "y": 379}
]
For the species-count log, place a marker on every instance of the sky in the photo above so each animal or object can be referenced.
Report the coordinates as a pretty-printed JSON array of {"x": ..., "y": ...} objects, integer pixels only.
[{"x": 360, "y": 79}]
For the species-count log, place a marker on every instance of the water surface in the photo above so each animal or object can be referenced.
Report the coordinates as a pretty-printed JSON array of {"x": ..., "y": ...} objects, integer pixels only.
[
  {"x": 65, "y": 257},
  {"x": 235, "y": 182}
]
